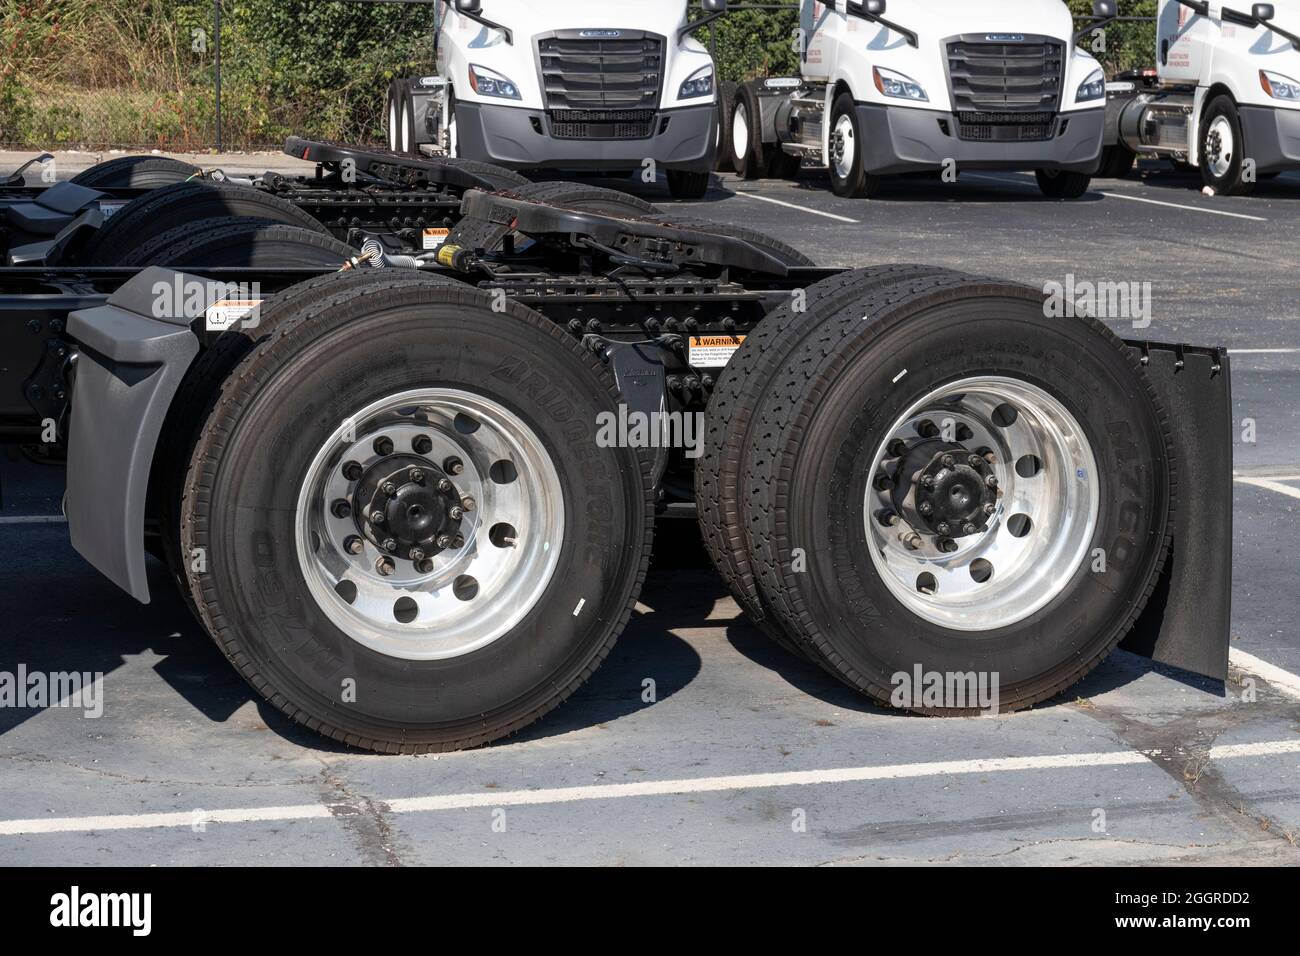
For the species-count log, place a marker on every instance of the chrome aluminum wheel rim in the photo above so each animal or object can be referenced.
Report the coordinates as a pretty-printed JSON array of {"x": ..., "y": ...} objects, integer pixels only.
[
  {"x": 844, "y": 148},
  {"x": 475, "y": 584},
  {"x": 1221, "y": 146},
  {"x": 1038, "y": 477}
]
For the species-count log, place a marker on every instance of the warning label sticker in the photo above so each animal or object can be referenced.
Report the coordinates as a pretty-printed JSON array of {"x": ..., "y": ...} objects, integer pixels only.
[
  {"x": 713, "y": 351},
  {"x": 434, "y": 238},
  {"x": 227, "y": 313}
]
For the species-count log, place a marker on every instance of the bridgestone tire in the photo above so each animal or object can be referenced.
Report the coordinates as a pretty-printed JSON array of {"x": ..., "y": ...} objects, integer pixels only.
[
  {"x": 827, "y": 412},
  {"x": 489, "y": 236},
  {"x": 241, "y": 243},
  {"x": 185, "y": 204},
  {"x": 136, "y": 172},
  {"x": 726, "y": 105},
  {"x": 242, "y": 489},
  {"x": 730, "y": 423}
]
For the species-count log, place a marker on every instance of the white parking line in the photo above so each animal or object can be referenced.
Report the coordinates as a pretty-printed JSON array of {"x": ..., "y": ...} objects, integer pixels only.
[
  {"x": 1174, "y": 205},
  {"x": 1263, "y": 351},
  {"x": 1271, "y": 484},
  {"x": 1283, "y": 680},
  {"x": 617, "y": 791},
  {"x": 790, "y": 205},
  {"x": 33, "y": 519}
]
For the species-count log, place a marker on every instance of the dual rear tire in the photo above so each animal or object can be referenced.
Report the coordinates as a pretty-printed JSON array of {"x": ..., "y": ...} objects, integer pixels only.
[{"x": 811, "y": 511}]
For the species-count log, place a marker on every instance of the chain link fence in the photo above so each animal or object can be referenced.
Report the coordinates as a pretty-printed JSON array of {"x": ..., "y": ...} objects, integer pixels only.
[{"x": 197, "y": 75}]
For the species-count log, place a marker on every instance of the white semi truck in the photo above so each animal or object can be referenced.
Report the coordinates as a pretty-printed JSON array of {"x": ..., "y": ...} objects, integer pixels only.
[
  {"x": 1224, "y": 95},
  {"x": 928, "y": 85},
  {"x": 576, "y": 85}
]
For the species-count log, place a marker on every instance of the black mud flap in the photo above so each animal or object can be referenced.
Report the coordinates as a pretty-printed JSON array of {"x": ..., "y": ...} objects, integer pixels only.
[
  {"x": 1187, "y": 620},
  {"x": 134, "y": 351}
]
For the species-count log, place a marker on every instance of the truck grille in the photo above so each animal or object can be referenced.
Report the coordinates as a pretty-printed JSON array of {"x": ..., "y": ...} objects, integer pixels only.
[
  {"x": 1005, "y": 127},
  {"x": 620, "y": 70},
  {"x": 602, "y": 124},
  {"x": 1006, "y": 75}
]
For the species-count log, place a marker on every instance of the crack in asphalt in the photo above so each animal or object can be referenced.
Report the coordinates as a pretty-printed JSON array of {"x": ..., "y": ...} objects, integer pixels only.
[{"x": 364, "y": 818}]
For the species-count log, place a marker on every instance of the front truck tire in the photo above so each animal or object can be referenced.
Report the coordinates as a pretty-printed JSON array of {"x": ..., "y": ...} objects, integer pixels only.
[
  {"x": 1062, "y": 184},
  {"x": 917, "y": 394},
  {"x": 849, "y": 178},
  {"x": 449, "y": 623},
  {"x": 1223, "y": 148}
]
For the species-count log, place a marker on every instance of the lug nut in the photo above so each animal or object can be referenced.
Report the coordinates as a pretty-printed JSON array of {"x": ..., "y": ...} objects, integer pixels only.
[
  {"x": 376, "y": 517},
  {"x": 353, "y": 471},
  {"x": 949, "y": 461},
  {"x": 911, "y": 540},
  {"x": 422, "y": 445},
  {"x": 925, "y": 508},
  {"x": 354, "y": 545},
  {"x": 927, "y": 429},
  {"x": 417, "y": 476},
  {"x": 390, "y": 544},
  {"x": 897, "y": 448},
  {"x": 887, "y": 518},
  {"x": 455, "y": 512},
  {"x": 468, "y": 503},
  {"x": 385, "y": 566},
  {"x": 444, "y": 541},
  {"x": 416, "y": 555},
  {"x": 341, "y": 508},
  {"x": 390, "y": 488},
  {"x": 943, "y": 528},
  {"x": 974, "y": 461},
  {"x": 459, "y": 541},
  {"x": 884, "y": 483},
  {"x": 991, "y": 481},
  {"x": 947, "y": 545},
  {"x": 383, "y": 446},
  {"x": 990, "y": 508},
  {"x": 927, "y": 481},
  {"x": 968, "y": 528},
  {"x": 425, "y": 566},
  {"x": 453, "y": 466},
  {"x": 444, "y": 485}
]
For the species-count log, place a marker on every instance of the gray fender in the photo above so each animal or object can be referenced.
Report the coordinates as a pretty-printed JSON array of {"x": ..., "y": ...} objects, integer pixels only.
[{"x": 134, "y": 351}]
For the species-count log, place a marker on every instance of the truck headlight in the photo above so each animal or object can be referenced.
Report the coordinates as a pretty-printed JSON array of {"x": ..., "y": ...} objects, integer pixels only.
[
  {"x": 897, "y": 85},
  {"x": 487, "y": 82},
  {"x": 700, "y": 83},
  {"x": 1278, "y": 86},
  {"x": 1093, "y": 88}
]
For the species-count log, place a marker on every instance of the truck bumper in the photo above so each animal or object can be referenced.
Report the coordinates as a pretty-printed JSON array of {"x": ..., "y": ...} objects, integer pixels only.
[
  {"x": 518, "y": 138},
  {"x": 904, "y": 140},
  {"x": 1272, "y": 137}
]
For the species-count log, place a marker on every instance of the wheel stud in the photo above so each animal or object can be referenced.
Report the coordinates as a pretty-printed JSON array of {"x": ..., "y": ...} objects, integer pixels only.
[
  {"x": 416, "y": 555},
  {"x": 376, "y": 517},
  {"x": 911, "y": 541},
  {"x": 390, "y": 544},
  {"x": 949, "y": 461},
  {"x": 459, "y": 541},
  {"x": 468, "y": 503},
  {"x": 354, "y": 545},
  {"x": 341, "y": 508},
  {"x": 390, "y": 488},
  {"x": 425, "y": 566},
  {"x": 385, "y": 566},
  {"x": 925, "y": 508},
  {"x": 947, "y": 545},
  {"x": 455, "y": 512},
  {"x": 417, "y": 476},
  {"x": 943, "y": 528},
  {"x": 453, "y": 466},
  {"x": 444, "y": 541},
  {"x": 974, "y": 461},
  {"x": 444, "y": 486},
  {"x": 991, "y": 481},
  {"x": 887, "y": 518},
  {"x": 968, "y": 528},
  {"x": 990, "y": 508},
  {"x": 927, "y": 481}
]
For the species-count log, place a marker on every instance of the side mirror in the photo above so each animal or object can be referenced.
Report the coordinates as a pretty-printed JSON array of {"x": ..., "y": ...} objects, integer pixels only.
[
  {"x": 874, "y": 7},
  {"x": 1262, "y": 12},
  {"x": 469, "y": 6},
  {"x": 1104, "y": 9},
  {"x": 714, "y": 6}
]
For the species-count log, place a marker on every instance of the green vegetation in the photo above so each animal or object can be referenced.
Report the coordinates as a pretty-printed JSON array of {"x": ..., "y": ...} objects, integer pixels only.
[{"x": 140, "y": 73}]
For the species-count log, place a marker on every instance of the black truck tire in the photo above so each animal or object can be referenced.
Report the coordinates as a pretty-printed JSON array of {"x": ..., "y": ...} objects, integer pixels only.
[
  {"x": 747, "y": 151},
  {"x": 685, "y": 184},
  {"x": 489, "y": 236},
  {"x": 849, "y": 177},
  {"x": 1117, "y": 161},
  {"x": 136, "y": 172},
  {"x": 726, "y": 105},
  {"x": 730, "y": 421},
  {"x": 389, "y": 688},
  {"x": 1061, "y": 183},
  {"x": 1223, "y": 148},
  {"x": 1035, "y": 625},
  {"x": 235, "y": 242},
  {"x": 184, "y": 204}
]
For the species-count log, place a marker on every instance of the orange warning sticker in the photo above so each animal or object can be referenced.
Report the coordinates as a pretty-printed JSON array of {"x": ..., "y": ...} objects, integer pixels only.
[{"x": 713, "y": 351}]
